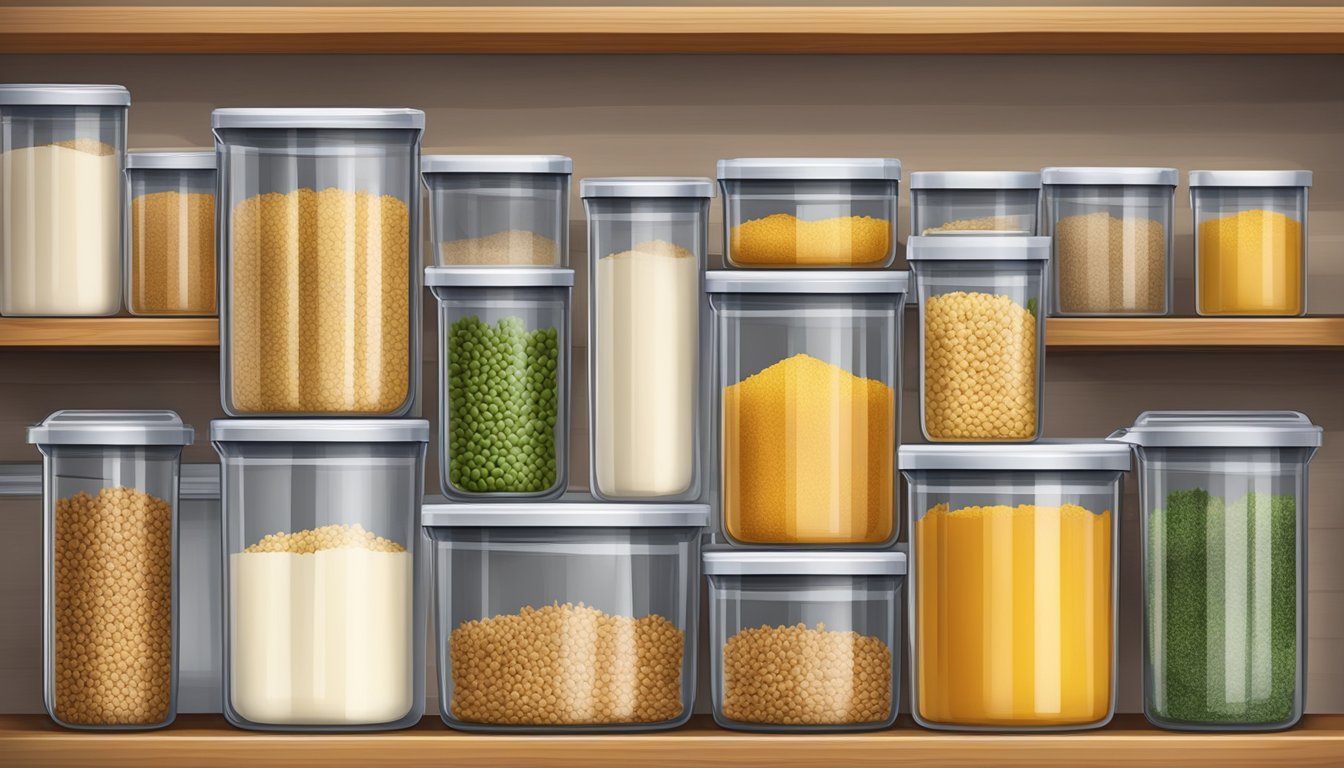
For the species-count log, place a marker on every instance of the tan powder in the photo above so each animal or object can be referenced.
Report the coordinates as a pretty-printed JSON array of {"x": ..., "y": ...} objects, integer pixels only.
[
  {"x": 1110, "y": 265},
  {"x": 512, "y": 247},
  {"x": 173, "y": 253}
]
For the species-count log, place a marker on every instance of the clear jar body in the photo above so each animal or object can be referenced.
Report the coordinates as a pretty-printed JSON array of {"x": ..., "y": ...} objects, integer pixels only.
[
  {"x": 1250, "y": 250},
  {"x": 170, "y": 250},
  {"x": 979, "y": 211},
  {"x": 809, "y": 223},
  {"x": 499, "y": 219}
]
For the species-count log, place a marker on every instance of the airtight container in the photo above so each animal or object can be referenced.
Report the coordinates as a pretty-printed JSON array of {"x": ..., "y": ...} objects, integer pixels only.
[
  {"x": 1014, "y": 556},
  {"x": 1111, "y": 230},
  {"x": 807, "y": 387},
  {"x": 170, "y": 233},
  {"x": 319, "y": 239},
  {"x": 1250, "y": 242},
  {"x": 574, "y": 615},
  {"x": 110, "y": 524},
  {"x": 805, "y": 641},
  {"x": 504, "y": 377},
  {"x": 981, "y": 336},
  {"x": 499, "y": 210},
  {"x": 984, "y": 202},
  {"x": 324, "y": 619},
  {"x": 809, "y": 212},
  {"x": 62, "y": 149},
  {"x": 1223, "y": 496},
  {"x": 646, "y": 249}
]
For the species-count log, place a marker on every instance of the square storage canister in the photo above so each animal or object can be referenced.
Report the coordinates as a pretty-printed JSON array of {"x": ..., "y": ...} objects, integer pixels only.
[
  {"x": 170, "y": 233},
  {"x": 990, "y": 202}
]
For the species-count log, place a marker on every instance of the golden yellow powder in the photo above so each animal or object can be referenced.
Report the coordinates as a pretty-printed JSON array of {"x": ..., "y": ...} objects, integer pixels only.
[
  {"x": 1250, "y": 263},
  {"x": 173, "y": 253},
  {"x": 782, "y": 238}
]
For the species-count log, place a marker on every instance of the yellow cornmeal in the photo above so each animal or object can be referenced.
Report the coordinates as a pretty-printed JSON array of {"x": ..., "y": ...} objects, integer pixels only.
[
  {"x": 1250, "y": 263},
  {"x": 337, "y": 536},
  {"x": 784, "y": 239}
]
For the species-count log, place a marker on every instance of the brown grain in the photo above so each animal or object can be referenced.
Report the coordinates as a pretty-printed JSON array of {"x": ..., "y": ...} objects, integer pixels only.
[{"x": 173, "y": 253}]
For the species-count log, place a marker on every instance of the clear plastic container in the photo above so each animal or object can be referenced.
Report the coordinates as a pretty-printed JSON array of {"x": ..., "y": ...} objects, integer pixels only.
[
  {"x": 1250, "y": 242},
  {"x": 504, "y": 378},
  {"x": 170, "y": 233},
  {"x": 1014, "y": 557},
  {"x": 499, "y": 210},
  {"x": 981, "y": 336},
  {"x": 110, "y": 634},
  {"x": 807, "y": 387},
  {"x": 986, "y": 202},
  {"x": 809, "y": 212},
  {"x": 567, "y": 616},
  {"x": 805, "y": 641},
  {"x": 1111, "y": 230},
  {"x": 62, "y": 149},
  {"x": 320, "y": 260},
  {"x": 1223, "y": 497},
  {"x": 646, "y": 249},
  {"x": 324, "y": 619}
]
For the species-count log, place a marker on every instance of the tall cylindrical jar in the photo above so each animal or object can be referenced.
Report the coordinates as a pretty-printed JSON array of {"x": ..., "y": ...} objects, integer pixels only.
[{"x": 170, "y": 233}]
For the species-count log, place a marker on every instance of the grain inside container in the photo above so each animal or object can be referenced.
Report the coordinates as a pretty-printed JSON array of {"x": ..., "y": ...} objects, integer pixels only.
[
  {"x": 170, "y": 233},
  {"x": 994, "y": 202}
]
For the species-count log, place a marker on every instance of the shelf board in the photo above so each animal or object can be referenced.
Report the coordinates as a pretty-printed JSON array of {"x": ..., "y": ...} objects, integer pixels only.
[{"x": 46, "y": 332}]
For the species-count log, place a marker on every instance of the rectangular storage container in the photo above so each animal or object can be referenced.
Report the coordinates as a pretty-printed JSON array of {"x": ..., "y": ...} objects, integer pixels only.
[
  {"x": 499, "y": 210},
  {"x": 987, "y": 202},
  {"x": 170, "y": 233}
]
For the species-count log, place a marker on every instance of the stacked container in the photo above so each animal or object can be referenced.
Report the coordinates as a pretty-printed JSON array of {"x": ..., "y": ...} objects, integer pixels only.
[
  {"x": 986, "y": 202},
  {"x": 170, "y": 233}
]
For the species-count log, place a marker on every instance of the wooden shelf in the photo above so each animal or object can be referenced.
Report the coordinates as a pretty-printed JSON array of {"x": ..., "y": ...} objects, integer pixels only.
[
  {"x": 819, "y": 28},
  {"x": 39, "y": 332}
]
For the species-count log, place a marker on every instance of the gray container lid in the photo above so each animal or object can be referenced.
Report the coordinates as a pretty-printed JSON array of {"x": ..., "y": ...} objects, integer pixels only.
[
  {"x": 1250, "y": 178},
  {"x": 811, "y": 168},
  {"x": 647, "y": 186},
  {"x": 741, "y": 562},
  {"x": 975, "y": 180},
  {"x": 499, "y": 277},
  {"x": 112, "y": 428},
  {"x": 496, "y": 164},
  {"x": 570, "y": 511},
  {"x": 62, "y": 95},
  {"x": 1042, "y": 456},
  {"x": 190, "y": 160},
  {"x": 319, "y": 430},
  {"x": 1167, "y": 177},
  {"x": 969, "y": 247},
  {"x": 1221, "y": 429},
  {"x": 317, "y": 117},
  {"x": 883, "y": 281}
]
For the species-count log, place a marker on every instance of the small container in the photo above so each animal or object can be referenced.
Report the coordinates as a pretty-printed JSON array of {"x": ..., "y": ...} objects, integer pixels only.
[
  {"x": 504, "y": 377},
  {"x": 805, "y": 641},
  {"x": 62, "y": 149},
  {"x": 319, "y": 241},
  {"x": 984, "y": 202},
  {"x": 1250, "y": 242},
  {"x": 1224, "y": 510},
  {"x": 646, "y": 249},
  {"x": 324, "y": 618},
  {"x": 810, "y": 212},
  {"x": 567, "y": 616},
  {"x": 807, "y": 385},
  {"x": 170, "y": 233},
  {"x": 981, "y": 336},
  {"x": 499, "y": 210},
  {"x": 1112, "y": 239},
  {"x": 110, "y": 634}
]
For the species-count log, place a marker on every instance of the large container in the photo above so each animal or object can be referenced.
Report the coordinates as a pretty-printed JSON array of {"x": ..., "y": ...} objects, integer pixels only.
[
  {"x": 981, "y": 336},
  {"x": 1224, "y": 510},
  {"x": 1250, "y": 242},
  {"x": 499, "y": 210},
  {"x": 804, "y": 640},
  {"x": 110, "y": 483},
  {"x": 646, "y": 249},
  {"x": 807, "y": 383},
  {"x": 987, "y": 202},
  {"x": 62, "y": 148},
  {"x": 1013, "y": 584},
  {"x": 810, "y": 212},
  {"x": 567, "y": 616},
  {"x": 319, "y": 241},
  {"x": 170, "y": 233}
]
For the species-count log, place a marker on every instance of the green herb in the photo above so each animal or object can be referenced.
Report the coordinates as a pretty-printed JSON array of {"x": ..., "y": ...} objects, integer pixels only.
[{"x": 1031, "y": 307}]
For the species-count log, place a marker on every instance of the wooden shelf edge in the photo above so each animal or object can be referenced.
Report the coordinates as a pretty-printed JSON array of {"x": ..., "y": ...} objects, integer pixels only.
[{"x": 65, "y": 332}]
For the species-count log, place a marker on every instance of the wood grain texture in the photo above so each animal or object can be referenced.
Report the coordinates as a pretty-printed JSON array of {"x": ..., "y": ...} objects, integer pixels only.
[{"x": 109, "y": 332}]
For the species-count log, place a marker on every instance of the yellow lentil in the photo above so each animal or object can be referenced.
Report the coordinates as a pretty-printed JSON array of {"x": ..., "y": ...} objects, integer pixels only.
[
  {"x": 782, "y": 238},
  {"x": 982, "y": 224},
  {"x": 173, "y": 253},
  {"x": 1111, "y": 265},
  {"x": 1250, "y": 263}
]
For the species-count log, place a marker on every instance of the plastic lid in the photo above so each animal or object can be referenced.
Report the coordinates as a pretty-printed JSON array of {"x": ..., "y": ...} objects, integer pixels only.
[
  {"x": 820, "y": 282},
  {"x": 194, "y": 160},
  {"x": 316, "y": 117},
  {"x": 740, "y": 562},
  {"x": 112, "y": 428},
  {"x": 812, "y": 168},
  {"x": 498, "y": 277},
  {"x": 1250, "y": 178},
  {"x": 975, "y": 180},
  {"x": 967, "y": 247},
  {"x": 571, "y": 511},
  {"x": 647, "y": 186},
  {"x": 1045, "y": 455},
  {"x": 320, "y": 430},
  {"x": 496, "y": 164},
  {"x": 61, "y": 95},
  {"x": 1221, "y": 429},
  {"x": 1084, "y": 175}
]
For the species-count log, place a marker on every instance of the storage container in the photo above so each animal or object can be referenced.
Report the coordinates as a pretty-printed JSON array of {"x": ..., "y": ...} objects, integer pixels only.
[
  {"x": 646, "y": 249},
  {"x": 324, "y": 618},
  {"x": 1250, "y": 242},
  {"x": 1013, "y": 583},
  {"x": 499, "y": 210},
  {"x": 1223, "y": 496},
  {"x": 504, "y": 377},
  {"x": 988, "y": 202},
  {"x": 807, "y": 383},
  {"x": 110, "y": 522},
  {"x": 574, "y": 615},
  {"x": 170, "y": 233},
  {"x": 981, "y": 336},
  {"x": 320, "y": 260},
  {"x": 805, "y": 640},
  {"x": 62, "y": 148},
  {"x": 1112, "y": 239},
  {"x": 810, "y": 212}
]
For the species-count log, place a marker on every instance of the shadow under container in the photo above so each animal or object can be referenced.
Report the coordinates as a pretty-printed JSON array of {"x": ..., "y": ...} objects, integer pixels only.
[
  {"x": 809, "y": 212},
  {"x": 807, "y": 387},
  {"x": 647, "y": 240},
  {"x": 62, "y": 150},
  {"x": 319, "y": 245},
  {"x": 985, "y": 202},
  {"x": 110, "y": 588},
  {"x": 504, "y": 380},
  {"x": 805, "y": 641},
  {"x": 170, "y": 233},
  {"x": 1250, "y": 242},
  {"x": 1223, "y": 497},
  {"x": 324, "y": 601},
  {"x": 499, "y": 210},
  {"x": 981, "y": 336},
  {"x": 569, "y": 616},
  {"x": 1014, "y": 558}
]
